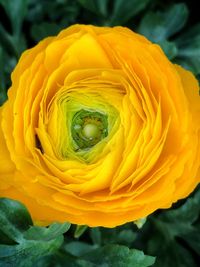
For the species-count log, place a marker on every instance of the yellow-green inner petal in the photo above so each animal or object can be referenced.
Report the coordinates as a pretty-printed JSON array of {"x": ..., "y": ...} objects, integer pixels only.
[{"x": 84, "y": 123}]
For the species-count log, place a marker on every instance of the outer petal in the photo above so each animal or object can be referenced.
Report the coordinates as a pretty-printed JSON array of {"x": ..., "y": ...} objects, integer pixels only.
[
  {"x": 191, "y": 177},
  {"x": 7, "y": 167}
]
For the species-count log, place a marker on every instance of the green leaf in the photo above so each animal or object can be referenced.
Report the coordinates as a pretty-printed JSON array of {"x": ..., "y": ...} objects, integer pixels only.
[
  {"x": 44, "y": 11},
  {"x": 125, "y": 10},
  {"x": 26, "y": 252},
  {"x": 78, "y": 248},
  {"x": 169, "y": 48},
  {"x": 16, "y": 11},
  {"x": 14, "y": 219},
  {"x": 45, "y": 29},
  {"x": 80, "y": 229},
  {"x": 7, "y": 63},
  {"x": 171, "y": 230},
  {"x": 31, "y": 242},
  {"x": 122, "y": 235},
  {"x": 180, "y": 221},
  {"x": 119, "y": 256},
  {"x": 160, "y": 26},
  {"x": 46, "y": 233},
  {"x": 3, "y": 95},
  {"x": 95, "y": 235},
  {"x": 170, "y": 254},
  {"x": 62, "y": 260},
  {"x": 99, "y": 7},
  {"x": 189, "y": 49},
  {"x": 7, "y": 42},
  {"x": 126, "y": 237},
  {"x": 13, "y": 44},
  {"x": 2, "y": 80},
  {"x": 193, "y": 239},
  {"x": 107, "y": 256}
]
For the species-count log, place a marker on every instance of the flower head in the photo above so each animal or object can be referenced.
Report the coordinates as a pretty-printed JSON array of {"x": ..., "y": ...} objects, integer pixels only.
[{"x": 99, "y": 128}]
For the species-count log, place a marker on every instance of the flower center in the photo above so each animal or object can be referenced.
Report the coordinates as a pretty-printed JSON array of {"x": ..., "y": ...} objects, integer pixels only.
[{"x": 89, "y": 128}]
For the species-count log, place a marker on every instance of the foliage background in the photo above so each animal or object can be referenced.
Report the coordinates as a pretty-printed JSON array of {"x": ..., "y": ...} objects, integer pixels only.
[{"x": 171, "y": 236}]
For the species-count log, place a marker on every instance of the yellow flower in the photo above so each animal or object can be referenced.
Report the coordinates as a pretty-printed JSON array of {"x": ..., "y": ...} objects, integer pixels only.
[{"x": 99, "y": 128}]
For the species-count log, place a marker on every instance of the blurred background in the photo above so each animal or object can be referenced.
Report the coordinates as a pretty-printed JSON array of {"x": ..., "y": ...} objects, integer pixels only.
[{"x": 173, "y": 235}]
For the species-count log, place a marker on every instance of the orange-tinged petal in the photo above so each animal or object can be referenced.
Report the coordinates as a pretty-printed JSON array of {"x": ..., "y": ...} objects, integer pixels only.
[{"x": 145, "y": 151}]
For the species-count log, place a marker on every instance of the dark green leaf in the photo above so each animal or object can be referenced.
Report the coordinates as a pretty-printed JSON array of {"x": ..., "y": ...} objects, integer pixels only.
[
  {"x": 3, "y": 94},
  {"x": 46, "y": 233},
  {"x": 62, "y": 260},
  {"x": 14, "y": 219},
  {"x": 7, "y": 42},
  {"x": 169, "y": 49},
  {"x": 125, "y": 10},
  {"x": 80, "y": 229},
  {"x": 171, "y": 230},
  {"x": 122, "y": 235},
  {"x": 31, "y": 242},
  {"x": 126, "y": 237},
  {"x": 45, "y": 29},
  {"x": 2, "y": 79},
  {"x": 95, "y": 235},
  {"x": 44, "y": 11},
  {"x": 187, "y": 213},
  {"x": 99, "y": 7},
  {"x": 119, "y": 256},
  {"x": 161, "y": 25},
  {"x": 107, "y": 256},
  {"x": 171, "y": 254},
  {"x": 189, "y": 49},
  {"x": 13, "y": 44},
  {"x": 193, "y": 240},
  {"x": 24, "y": 254},
  {"x": 7, "y": 64},
  {"x": 119, "y": 235},
  {"x": 78, "y": 248},
  {"x": 16, "y": 11}
]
